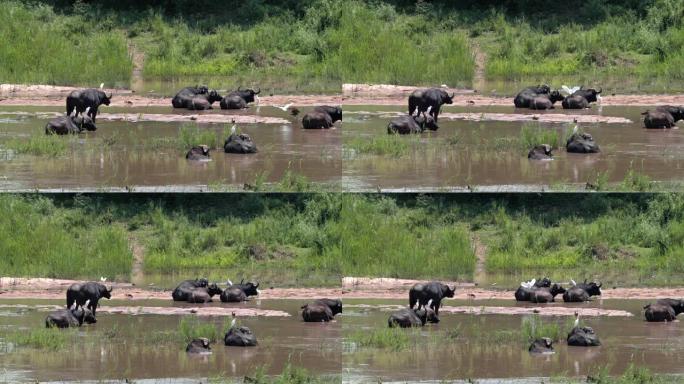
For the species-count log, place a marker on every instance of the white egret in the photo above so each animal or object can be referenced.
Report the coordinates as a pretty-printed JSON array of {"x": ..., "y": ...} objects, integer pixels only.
[
  {"x": 284, "y": 107},
  {"x": 576, "y": 320},
  {"x": 233, "y": 129},
  {"x": 569, "y": 90},
  {"x": 101, "y": 85}
]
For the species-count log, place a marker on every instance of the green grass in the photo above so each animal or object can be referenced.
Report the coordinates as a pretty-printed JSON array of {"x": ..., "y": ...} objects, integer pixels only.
[
  {"x": 382, "y": 145},
  {"x": 534, "y": 328},
  {"x": 50, "y": 48},
  {"x": 289, "y": 375},
  {"x": 190, "y": 328},
  {"x": 534, "y": 134},
  {"x": 40, "y": 145},
  {"x": 40, "y": 338},
  {"x": 393, "y": 339},
  {"x": 632, "y": 375}
]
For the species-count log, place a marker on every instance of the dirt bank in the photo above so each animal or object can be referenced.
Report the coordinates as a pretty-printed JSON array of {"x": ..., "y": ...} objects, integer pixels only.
[
  {"x": 353, "y": 94},
  {"x": 362, "y": 289},
  {"x": 206, "y": 310}
]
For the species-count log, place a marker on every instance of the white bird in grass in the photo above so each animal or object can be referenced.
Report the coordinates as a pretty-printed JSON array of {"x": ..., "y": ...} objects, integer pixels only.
[
  {"x": 233, "y": 129},
  {"x": 569, "y": 90},
  {"x": 233, "y": 322},
  {"x": 575, "y": 129},
  {"x": 576, "y": 320},
  {"x": 284, "y": 107}
]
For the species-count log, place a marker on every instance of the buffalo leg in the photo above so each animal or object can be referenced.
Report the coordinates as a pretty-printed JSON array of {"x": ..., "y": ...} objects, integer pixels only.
[
  {"x": 435, "y": 306},
  {"x": 92, "y": 305},
  {"x": 93, "y": 113},
  {"x": 435, "y": 113}
]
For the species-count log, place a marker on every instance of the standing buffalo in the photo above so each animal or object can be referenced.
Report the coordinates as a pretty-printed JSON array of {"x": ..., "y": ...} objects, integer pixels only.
[
  {"x": 184, "y": 290},
  {"x": 200, "y": 345},
  {"x": 240, "y": 337},
  {"x": 91, "y": 292},
  {"x": 582, "y": 292},
  {"x": 65, "y": 318},
  {"x": 525, "y": 97},
  {"x": 317, "y": 120},
  {"x": 237, "y": 293},
  {"x": 542, "y": 345},
  {"x": 405, "y": 125},
  {"x": 321, "y": 310},
  {"x": 334, "y": 112},
  {"x": 239, "y": 143},
  {"x": 664, "y": 310},
  {"x": 581, "y": 142},
  {"x": 540, "y": 152},
  {"x": 545, "y": 101},
  {"x": 65, "y": 125},
  {"x": 583, "y": 337},
  {"x": 204, "y": 295},
  {"x": 546, "y": 295},
  {"x": 87, "y": 98},
  {"x": 433, "y": 98},
  {"x": 200, "y": 152},
  {"x": 663, "y": 117},
  {"x": 195, "y": 98},
  {"x": 421, "y": 294}
]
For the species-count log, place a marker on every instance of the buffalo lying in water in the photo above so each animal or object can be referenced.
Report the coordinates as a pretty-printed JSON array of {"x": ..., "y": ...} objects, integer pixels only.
[
  {"x": 525, "y": 97},
  {"x": 540, "y": 152},
  {"x": 240, "y": 337},
  {"x": 184, "y": 290},
  {"x": 664, "y": 310},
  {"x": 200, "y": 152},
  {"x": 195, "y": 98},
  {"x": 405, "y": 125},
  {"x": 316, "y": 120},
  {"x": 200, "y": 345},
  {"x": 65, "y": 318},
  {"x": 525, "y": 290},
  {"x": 65, "y": 125},
  {"x": 335, "y": 113},
  {"x": 406, "y": 318},
  {"x": 87, "y": 99},
  {"x": 432, "y": 293},
  {"x": 546, "y": 294},
  {"x": 582, "y": 292},
  {"x": 542, "y": 345},
  {"x": 239, "y": 99},
  {"x": 237, "y": 293},
  {"x": 663, "y": 117},
  {"x": 90, "y": 292},
  {"x": 581, "y": 98},
  {"x": 582, "y": 142},
  {"x": 545, "y": 101},
  {"x": 204, "y": 294},
  {"x": 583, "y": 337},
  {"x": 239, "y": 143},
  {"x": 432, "y": 99},
  {"x": 321, "y": 310}
]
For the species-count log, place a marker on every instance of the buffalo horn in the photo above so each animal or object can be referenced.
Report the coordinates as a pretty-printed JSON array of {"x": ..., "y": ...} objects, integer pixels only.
[
  {"x": 242, "y": 281},
  {"x": 111, "y": 287},
  {"x": 110, "y": 95},
  {"x": 452, "y": 95},
  {"x": 600, "y": 90},
  {"x": 599, "y": 284},
  {"x": 258, "y": 91},
  {"x": 239, "y": 88}
]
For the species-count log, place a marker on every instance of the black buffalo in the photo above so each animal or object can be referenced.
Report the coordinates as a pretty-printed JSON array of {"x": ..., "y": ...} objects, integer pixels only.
[
  {"x": 664, "y": 116},
  {"x": 664, "y": 310},
  {"x": 406, "y": 318},
  {"x": 591, "y": 95},
  {"x": 541, "y": 345},
  {"x": 405, "y": 125},
  {"x": 525, "y": 294},
  {"x": 239, "y": 143},
  {"x": 545, "y": 101},
  {"x": 582, "y": 292},
  {"x": 240, "y": 337},
  {"x": 200, "y": 345},
  {"x": 582, "y": 142},
  {"x": 525, "y": 97},
  {"x": 546, "y": 295},
  {"x": 540, "y": 152},
  {"x": 247, "y": 95},
  {"x": 575, "y": 102},
  {"x": 321, "y": 310},
  {"x": 200, "y": 152},
  {"x": 65, "y": 125},
  {"x": 239, "y": 292},
  {"x": 432, "y": 292},
  {"x": 65, "y": 318},
  {"x": 91, "y": 292},
  {"x": 233, "y": 102},
  {"x": 334, "y": 112},
  {"x": 316, "y": 120},
  {"x": 583, "y": 337},
  {"x": 90, "y": 99},
  {"x": 195, "y": 98},
  {"x": 421, "y": 100},
  {"x": 204, "y": 295},
  {"x": 184, "y": 290}
]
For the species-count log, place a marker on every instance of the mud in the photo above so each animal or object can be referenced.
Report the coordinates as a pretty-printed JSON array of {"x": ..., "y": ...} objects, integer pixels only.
[
  {"x": 547, "y": 310},
  {"x": 391, "y": 90}
]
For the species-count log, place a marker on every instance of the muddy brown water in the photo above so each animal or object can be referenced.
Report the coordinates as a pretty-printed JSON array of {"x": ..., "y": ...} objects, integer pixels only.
[{"x": 329, "y": 349}]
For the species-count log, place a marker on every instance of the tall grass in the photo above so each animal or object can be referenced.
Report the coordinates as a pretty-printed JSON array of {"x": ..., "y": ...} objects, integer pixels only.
[
  {"x": 190, "y": 328},
  {"x": 394, "y": 339},
  {"x": 533, "y": 134},
  {"x": 46, "y": 48},
  {"x": 40, "y": 145},
  {"x": 534, "y": 328},
  {"x": 40, "y": 338}
]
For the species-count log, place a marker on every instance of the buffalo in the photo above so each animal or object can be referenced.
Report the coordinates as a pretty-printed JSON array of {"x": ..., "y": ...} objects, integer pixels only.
[
  {"x": 591, "y": 95},
  {"x": 545, "y": 101},
  {"x": 90, "y": 292},
  {"x": 542, "y": 345},
  {"x": 546, "y": 295},
  {"x": 239, "y": 143},
  {"x": 90, "y": 99},
  {"x": 184, "y": 290},
  {"x": 540, "y": 152},
  {"x": 240, "y": 337},
  {"x": 200, "y": 152},
  {"x": 664, "y": 116},
  {"x": 195, "y": 98},
  {"x": 236, "y": 293},
  {"x": 581, "y": 142},
  {"x": 317, "y": 120},
  {"x": 200, "y": 345},
  {"x": 65, "y": 318},
  {"x": 525, "y": 97},
  {"x": 334, "y": 112},
  {"x": 407, "y": 318},
  {"x": 432, "y": 292},
  {"x": 664, "y": 310},
  {"x": 204, "y": 295},
  {"x": 65, "y": 125},
  {"x": 581, "y": 98},
  {"x": 582, "y": 292},
  {"x": 583, "y": 337},
  {"x": 233, "y": 102},
  {"x": 321, "y": 310},
  {"x": 420, "y": 100},
  {"x": 248, "y": 95},
  {"x": 525, "y": 290},
  {"x": 405, "y": 125}
]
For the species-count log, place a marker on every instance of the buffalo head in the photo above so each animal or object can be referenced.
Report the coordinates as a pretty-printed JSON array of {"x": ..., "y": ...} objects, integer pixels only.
[
  {"x": 543, "y": 283},
  {"x": 249, "y": 288},
  {"x": 557, "y": 290},
  {"x": 104, "y": 98},
  {"x": 201, "y": 89},
  {"x": 592, "y": 288},
  {"x": 201, "y": 282},
  {"x": 106, "y": 293},
  {"x": 248, "y": 94},
  {"x": 213, "y": 289},
  {"x": 543, "y": 88},
  {"x": 214, "y": 96},
  {"x": 590, "y": 94},
  {"x": 448, "y": 292},
  {"x": 446, "y": 98},
  {"x": 556, "y": 96}
]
